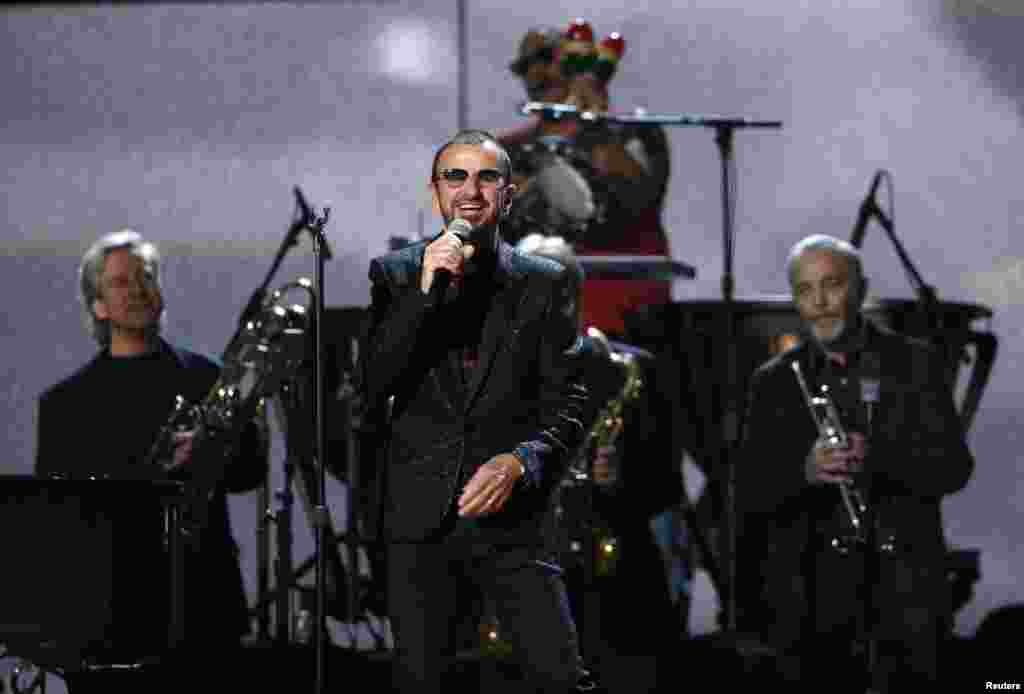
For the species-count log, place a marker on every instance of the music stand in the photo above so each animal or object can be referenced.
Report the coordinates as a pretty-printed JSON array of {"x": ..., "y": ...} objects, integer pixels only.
[{"x": 126, "y": 611}]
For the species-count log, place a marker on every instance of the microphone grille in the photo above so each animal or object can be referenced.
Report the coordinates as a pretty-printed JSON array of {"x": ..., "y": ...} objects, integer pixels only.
[{"x": 461, "y": 228}]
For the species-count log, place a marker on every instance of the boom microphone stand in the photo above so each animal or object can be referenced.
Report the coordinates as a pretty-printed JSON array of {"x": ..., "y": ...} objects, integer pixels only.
[
  {"x": 309, "y": 221},
  {"x": 281, "y": 518}
]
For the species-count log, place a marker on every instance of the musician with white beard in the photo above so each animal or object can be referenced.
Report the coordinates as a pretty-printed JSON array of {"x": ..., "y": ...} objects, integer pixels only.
[{"x": 854, "y": 596}]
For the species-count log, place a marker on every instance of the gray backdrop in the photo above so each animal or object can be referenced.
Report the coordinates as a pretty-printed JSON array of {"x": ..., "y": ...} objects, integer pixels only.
[{"x": 192, "y": 122}]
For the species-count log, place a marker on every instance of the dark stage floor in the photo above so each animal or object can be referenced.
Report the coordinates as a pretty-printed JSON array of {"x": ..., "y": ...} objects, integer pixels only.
[
  {"x": 713, "y": 661},
  {"x": 705, "y": 660}
]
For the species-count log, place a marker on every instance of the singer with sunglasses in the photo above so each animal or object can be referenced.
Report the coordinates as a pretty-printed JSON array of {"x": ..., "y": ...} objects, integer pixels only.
[
  {"x": 852, "y": 440},
  {"x": 470, "y": 368}
]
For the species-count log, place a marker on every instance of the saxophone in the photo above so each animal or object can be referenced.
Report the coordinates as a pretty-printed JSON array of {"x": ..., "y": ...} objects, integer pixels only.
[
  {"x": 610, "y": 423},
  {"x": 604, "y": 432},
  {"x": 264, "y": 352}
]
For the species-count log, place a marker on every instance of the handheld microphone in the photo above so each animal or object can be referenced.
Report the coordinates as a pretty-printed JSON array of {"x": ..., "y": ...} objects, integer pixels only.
[
  {"x": 442, "y": 276},
  {"x": 867, "y": 209}
]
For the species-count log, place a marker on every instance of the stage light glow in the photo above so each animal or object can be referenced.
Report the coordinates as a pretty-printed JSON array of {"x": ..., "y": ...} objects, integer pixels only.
[{"x": 415, "y": 52}]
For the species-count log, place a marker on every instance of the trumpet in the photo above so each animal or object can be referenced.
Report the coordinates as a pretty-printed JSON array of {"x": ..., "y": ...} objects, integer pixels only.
[
  {"x": 260, "y": 357},
  {"x": 831, "y": 431}
]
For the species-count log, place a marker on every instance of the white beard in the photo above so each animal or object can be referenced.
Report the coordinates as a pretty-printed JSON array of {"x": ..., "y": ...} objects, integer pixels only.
[{"x": 831, "y": 334}]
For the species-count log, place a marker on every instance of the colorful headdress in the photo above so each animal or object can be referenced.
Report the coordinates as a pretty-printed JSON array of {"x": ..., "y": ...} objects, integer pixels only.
[
  {"x": 569, "y": 53},
  {"x": 578, "y": 54}
]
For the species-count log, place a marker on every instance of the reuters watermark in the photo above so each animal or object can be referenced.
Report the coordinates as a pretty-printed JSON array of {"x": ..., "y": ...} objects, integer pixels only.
[{"x": 1002, "y": 686}]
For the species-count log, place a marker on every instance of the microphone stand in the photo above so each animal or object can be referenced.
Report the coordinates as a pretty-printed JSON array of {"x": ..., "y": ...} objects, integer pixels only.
[
  {"x": 724, "y": 132},
  {"x": 557, "y": 110},
  {"x": 291, "y": 239},
  {"x": 928, "y": 301},
  {"x": 309, "y": 221},
  {"x": 925, "y": 292},
  {"x": 322, "y": 253},
  {"x": 282, "y": 517}
]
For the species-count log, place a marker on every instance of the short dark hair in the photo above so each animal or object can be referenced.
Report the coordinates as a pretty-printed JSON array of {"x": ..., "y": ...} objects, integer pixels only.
[{"x": 476, "y": 137}]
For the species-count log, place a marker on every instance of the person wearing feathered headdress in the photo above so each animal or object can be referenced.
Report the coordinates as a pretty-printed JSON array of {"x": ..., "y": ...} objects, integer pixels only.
[
  {"x": 610, "y": 201},
  {"x": 601, "y": 185}
]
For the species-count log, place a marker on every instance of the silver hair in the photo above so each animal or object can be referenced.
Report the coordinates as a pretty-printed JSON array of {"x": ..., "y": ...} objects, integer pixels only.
[
  {"x": 823, "y": 242},
  {"x": 90, "y": 271}
]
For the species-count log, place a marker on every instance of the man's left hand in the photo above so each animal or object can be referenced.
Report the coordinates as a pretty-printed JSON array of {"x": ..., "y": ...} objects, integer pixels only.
[{"x": 490, "y": 486}]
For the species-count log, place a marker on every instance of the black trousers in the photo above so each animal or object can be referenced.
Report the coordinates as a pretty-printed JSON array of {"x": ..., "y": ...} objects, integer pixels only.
[
  {"x": 528, "y": 595},
  {"x": 905, "y": 600}
]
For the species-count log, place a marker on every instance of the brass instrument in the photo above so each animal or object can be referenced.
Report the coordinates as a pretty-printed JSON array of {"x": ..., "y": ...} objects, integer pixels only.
[
  {"x": 260, "y": 357},
  {"x": 603, "y": 433},
  {"x": 831, "y": 431},
  {"x": 610, "y": 423}
]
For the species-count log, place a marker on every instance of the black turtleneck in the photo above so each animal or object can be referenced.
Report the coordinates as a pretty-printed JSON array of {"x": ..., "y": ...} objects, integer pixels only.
[{"x": 137, "y": 397}]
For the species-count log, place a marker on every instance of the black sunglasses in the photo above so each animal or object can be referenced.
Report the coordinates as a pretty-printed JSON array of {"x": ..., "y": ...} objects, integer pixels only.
[{"x": 457, "y": 177}]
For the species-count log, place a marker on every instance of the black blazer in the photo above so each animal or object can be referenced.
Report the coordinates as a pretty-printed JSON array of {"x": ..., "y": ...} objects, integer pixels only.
[
  {"x": 525, "y": 394},
  {"x": 917, "y": 455}
]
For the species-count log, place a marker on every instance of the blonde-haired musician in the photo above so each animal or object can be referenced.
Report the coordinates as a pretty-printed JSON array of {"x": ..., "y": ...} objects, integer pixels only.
[{"x": 101, "y": 422}]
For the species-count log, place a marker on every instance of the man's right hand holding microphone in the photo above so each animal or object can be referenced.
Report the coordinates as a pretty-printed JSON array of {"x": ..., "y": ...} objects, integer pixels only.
[{"x": 445, "y": 257}]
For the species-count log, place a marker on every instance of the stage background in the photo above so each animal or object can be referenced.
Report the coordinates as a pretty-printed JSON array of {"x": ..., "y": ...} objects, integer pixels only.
[{"x": 192, "y": 122}]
